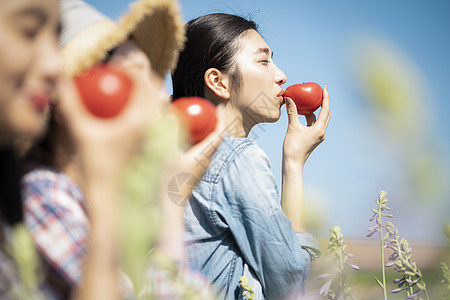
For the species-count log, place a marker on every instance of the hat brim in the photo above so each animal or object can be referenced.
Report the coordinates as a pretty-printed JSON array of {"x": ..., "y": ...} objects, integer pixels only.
[{"x": 155, "y": 25}]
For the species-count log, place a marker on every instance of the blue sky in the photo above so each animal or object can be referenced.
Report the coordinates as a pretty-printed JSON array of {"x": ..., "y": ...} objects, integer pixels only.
[{"x": 367, "y": 149}]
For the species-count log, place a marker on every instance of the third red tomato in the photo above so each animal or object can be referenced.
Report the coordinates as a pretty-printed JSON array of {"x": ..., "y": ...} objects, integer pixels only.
[{"x": 199, "y": 116}]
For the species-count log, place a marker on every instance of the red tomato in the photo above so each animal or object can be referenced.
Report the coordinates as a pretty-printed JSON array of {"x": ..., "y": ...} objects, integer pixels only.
[
  {"x": 104, "y": 90},
  {"x": 198, "y": 114},
  {"x": 307, "y": 97}
]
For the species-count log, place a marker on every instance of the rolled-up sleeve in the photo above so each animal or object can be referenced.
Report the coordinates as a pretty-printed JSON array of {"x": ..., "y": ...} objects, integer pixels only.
[{"x": 309, "y": 243}]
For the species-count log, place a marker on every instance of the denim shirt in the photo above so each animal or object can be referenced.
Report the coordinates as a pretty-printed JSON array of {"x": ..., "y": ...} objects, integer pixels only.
[{"x": 235, "y": 226}]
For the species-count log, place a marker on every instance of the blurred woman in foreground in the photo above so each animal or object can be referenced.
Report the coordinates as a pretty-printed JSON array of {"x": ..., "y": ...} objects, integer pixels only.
[{"x": 29, "y": 69}]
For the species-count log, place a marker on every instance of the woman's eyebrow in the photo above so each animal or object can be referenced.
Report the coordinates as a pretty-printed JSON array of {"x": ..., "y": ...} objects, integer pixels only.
[
  {"x": 264, "y": 50},
  {"x": 35, "y": 12}
]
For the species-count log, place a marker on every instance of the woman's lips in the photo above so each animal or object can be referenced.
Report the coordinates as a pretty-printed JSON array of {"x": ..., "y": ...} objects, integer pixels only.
[
  {"x": 281, "y": 97},
  {"x": 40, "y": 100}
]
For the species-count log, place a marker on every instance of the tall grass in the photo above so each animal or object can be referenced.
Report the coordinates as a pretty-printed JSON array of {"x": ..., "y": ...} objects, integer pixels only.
[{"x": 408, "y": 281}]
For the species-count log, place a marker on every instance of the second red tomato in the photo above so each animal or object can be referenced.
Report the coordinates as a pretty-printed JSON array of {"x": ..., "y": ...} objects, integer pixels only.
[{"x": 198, "y": 114}]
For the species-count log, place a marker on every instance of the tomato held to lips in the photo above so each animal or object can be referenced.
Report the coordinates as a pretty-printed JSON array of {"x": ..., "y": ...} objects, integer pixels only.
[
  {"x": 104, "y": 90},
  {"x": 198, "y": 114},
  {"x": 307, "y": 97}
]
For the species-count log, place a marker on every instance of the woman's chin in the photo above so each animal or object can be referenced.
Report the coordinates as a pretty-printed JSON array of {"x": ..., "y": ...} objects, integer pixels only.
[{"x": 274, "y": 118}]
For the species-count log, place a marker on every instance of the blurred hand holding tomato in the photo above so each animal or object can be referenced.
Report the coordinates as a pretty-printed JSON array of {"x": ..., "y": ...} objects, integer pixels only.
[
  {"x": 107, "y": 123},
  {"x": 198, "y": 115}
]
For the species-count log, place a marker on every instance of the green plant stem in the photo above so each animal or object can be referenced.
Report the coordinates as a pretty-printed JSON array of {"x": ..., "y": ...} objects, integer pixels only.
[
  {"x": 341, "y": 262},
  {"x": 383, "y": 272}
]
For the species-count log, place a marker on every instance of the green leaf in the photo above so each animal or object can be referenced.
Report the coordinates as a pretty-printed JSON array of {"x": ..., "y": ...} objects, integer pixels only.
[
  {"x": 379, "y": 282},
  {"x": 421, "y": 285}
]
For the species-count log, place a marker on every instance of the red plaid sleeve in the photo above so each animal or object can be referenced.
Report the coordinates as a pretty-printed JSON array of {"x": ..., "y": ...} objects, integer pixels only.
[{"x": 56, "y": 216}]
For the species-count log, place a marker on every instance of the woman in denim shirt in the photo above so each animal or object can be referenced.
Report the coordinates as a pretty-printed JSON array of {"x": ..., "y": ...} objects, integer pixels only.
[{"x": 236, "y": 224}]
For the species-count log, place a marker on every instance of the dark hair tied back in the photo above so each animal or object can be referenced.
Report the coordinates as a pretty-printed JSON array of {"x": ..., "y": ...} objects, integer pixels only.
[{"x": 211, "y": 43}]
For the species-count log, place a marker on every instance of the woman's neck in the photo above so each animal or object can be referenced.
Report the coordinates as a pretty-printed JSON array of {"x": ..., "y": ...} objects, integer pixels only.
[{"x": 235, "y": 122}]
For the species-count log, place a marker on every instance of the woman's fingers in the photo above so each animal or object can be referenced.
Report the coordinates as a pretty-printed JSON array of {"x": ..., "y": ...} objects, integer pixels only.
[
  {"x": 293, "y": 120},
  {"x": 67, "y": 100},
  {"x": 310, "y": 119},
  {"x": 69, "y": 109},
  {"x": 324, "y": 115},
  {"x": 291, "y": 110},
  {"x": 292, "y": 113}
]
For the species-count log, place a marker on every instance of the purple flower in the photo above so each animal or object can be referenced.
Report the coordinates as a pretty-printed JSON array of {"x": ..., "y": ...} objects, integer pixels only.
[
  {"x": 415, "y": 294},
  {"x": 412, "y": 282},
  {"x": 390, "y": 264},
  {"x": 324, "y": 276},
  {"x": 393, "y": 256},
  {"x": 325, "y": 288},
  {"x": 398, "y": 280},
  {"x": 371, "y": 233},
  {"x": 353, "y": 266}
]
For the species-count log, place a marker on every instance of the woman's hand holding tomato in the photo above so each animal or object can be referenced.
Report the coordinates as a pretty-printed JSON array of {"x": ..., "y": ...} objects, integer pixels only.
[
  {"x": 106, "y": 144},
  {"x": 198, "y": 115},
  {"x": 107, "y": 137},
  {"x": 205, "y": 136},
  {"x": 191, "y": 163},
  {"x": 301, "y": 140},
  {"x": 205, "y": 126}
]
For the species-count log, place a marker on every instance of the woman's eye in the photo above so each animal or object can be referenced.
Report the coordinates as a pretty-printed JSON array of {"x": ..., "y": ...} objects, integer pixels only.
[
  {"x": 30, "y": 24},
  {"x": 30, "y": 33}
]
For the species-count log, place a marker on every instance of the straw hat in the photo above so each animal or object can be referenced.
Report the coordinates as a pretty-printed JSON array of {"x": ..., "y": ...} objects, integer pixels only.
[{"x": 87, "y": 35}]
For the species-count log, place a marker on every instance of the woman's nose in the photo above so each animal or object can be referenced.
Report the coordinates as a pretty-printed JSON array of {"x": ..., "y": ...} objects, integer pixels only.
[
  {"x": 50, "y": 62},
  {"x": 280, "y": 78}
]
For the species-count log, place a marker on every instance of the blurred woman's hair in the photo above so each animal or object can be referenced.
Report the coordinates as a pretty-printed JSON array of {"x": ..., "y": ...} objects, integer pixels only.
[
  {"x": 212, "y": 42},
  {"x": 10, "y": 197}
]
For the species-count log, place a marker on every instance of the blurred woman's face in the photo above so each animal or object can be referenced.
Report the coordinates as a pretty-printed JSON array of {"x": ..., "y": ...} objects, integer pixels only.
[{"x": 29, "y": 65}]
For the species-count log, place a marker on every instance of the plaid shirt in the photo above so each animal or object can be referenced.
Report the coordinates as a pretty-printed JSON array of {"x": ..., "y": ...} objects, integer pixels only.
[
  {"x": 55, "y": 212},
  {"x": 56, "y": 215}
]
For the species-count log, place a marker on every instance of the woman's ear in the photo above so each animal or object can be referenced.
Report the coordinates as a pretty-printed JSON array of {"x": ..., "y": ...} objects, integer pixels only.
[{"x": 218, "y": 83}]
